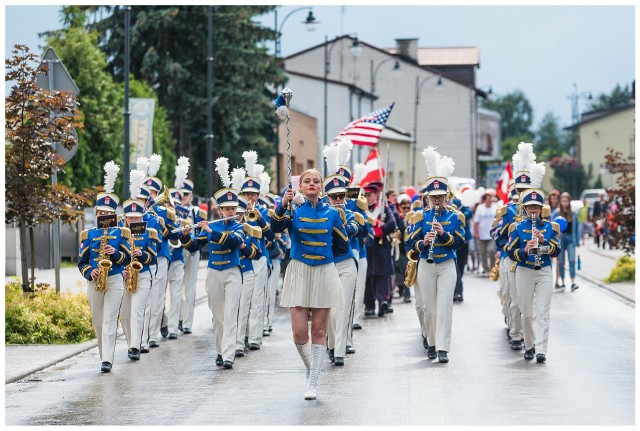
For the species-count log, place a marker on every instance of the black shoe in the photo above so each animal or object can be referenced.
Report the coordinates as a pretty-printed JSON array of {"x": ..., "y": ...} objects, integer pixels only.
[
  {"x": 106, "y": 367},
  {"x": 383, "y": 308},
  {"x": 540, "y": 358},
  {"x": 528, "y": 355},
  {"x": 186, "y": 331},
  {"x": 425, "y": 343},
  {"x": 350, "y": 350},
  {"x": 270, "y": 328},
  {"x": 431, "y": 354},
  {"x": 442, "y": 356},
  {"x": 369, "y": 312},
  {"x": 164, "y": 331},
  {"x": 173, "y": 336},
  {"x": 331, "y": 357},
  {"x": 508, "y": 336},
  {"x": 219, "y": 361},
  {"x": 227, "y": 364},
  {"x": 154, "y": 343},
  {"x": 457, "y": 298},
  {"x": 517, "y": 344},
  {"x": 339, "y": 361},
  {"x": 180, "y": 326},
  {"x": 574, "y": 287},
  {"x": 559, "y": 286},
  {"x": 356, "y": 326},
  {"x": 246, "y": 342},
  {"x": 390, "y": 310},
  {"x": 144, "y": 350},
  {"x": 254, "y": 346},
  {"x": 265, "y": 333},
  {"x": 239, "y": 353},
  {"x": 134, "y": 354},
  {"x": 407, "y": 299}
]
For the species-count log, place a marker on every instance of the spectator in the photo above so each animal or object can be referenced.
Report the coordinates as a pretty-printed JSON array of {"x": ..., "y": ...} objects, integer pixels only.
[
  {"x": 482, "y": 223},
  {"x": 404, "y": 206},
  {"x": 583, "y": 219},
  {"x": 599, "y": 216},
  {"x": 554, "y": 199},
  {"x": 568, "y": 240}
]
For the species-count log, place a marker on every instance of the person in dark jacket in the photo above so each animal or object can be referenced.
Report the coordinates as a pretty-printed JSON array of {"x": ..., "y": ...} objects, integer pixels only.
[{"x": 380, "y": 266}]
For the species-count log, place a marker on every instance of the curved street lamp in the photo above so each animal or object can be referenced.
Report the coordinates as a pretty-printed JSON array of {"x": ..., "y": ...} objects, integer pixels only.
[
  {"x": 397, "y": 70},
  {"x": 419, "y": 85}
]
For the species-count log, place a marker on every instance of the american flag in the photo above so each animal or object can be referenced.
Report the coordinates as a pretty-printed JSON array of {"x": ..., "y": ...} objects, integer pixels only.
[{"x": 366, "y": 130}]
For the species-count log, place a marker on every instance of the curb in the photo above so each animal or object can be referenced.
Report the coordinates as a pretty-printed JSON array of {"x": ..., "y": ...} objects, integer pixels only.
[
  {"x": 606, "y": 287},
  {"x": 77, "y": 349}
]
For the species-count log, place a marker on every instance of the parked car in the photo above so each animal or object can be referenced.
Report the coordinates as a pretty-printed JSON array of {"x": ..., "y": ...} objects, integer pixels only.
[{"x": 592, "y": 195}]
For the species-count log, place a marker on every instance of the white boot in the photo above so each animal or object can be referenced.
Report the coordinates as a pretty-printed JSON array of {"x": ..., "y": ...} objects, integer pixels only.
[
  {"x": 303, "y": 350},
  {"x": 317, "y": 357}
]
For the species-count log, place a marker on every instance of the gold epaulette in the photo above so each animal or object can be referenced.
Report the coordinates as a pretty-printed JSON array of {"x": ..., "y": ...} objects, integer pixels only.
[
  {"x": 153, "y": 234},
  {"x": 451, "y": 208},
  {"x": 171, "y": 214},
  {"x": 253, "y": 231},
  {"x": 416, "y": 204},
  {"x": 362, "y": 203},
  {"x": 555, "y": 226},
  {"x": 462, "y": 218},
  {"x": 120, "y": 217},
  {"x": 371, "y": 220},
  {"x": 84, "y": 235},
  {"x": 500, "y": 212},
  {"x": 161, "y": 220},
  {"x": 125, "y": 232},
  {"x": 546, "y": 211},
  {"x": 512, "y": 227},
  {"x": 359, "y": 218},
  {"x": 271, "y": 212},
  {"x": 203, "y": 214},
  {"x": 408, "y": 216},
  {"x": 417, "y": 217}
]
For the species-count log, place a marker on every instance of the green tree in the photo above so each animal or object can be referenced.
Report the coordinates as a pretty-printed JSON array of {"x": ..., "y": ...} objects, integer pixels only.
[
  {"x": 516, "y": 113},
  {"x": 619, "y": 96},
  {"x": 34, "y": 120},
  {"x": 550, "y": 140},
  {"x": 569, "y": 175},
  {"x": 510, "y": 145},
  {"x": 168, "y": 51}
]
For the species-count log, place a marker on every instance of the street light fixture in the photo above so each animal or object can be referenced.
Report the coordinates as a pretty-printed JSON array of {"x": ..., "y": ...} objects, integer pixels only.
[
  {"x": 356, "y": 50},
  {"x": 311, "y": 24},
  {"x": 397, "y": 71},
  {"x": 415, "y": 121}
]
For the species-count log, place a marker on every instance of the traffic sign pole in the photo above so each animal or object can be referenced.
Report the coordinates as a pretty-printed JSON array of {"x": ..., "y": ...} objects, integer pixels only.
[{"x": 54, "y": 181}]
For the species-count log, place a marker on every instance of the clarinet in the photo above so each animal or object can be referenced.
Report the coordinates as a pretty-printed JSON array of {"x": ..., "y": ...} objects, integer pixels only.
[{"x": 436, "y": 213}]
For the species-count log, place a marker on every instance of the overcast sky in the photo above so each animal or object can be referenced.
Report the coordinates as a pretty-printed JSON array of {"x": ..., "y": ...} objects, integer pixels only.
[{"x": 541, "y": 50}]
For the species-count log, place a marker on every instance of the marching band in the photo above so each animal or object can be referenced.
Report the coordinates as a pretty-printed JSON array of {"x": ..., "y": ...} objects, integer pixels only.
[{"x": 339, "y": 236}]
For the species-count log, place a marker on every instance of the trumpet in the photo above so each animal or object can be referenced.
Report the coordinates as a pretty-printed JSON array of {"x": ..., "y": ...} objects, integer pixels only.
[
  {"x": 252, "y": 212},
  {"x": 436, "y": 213},
  {"x": 161, "y": 199}
]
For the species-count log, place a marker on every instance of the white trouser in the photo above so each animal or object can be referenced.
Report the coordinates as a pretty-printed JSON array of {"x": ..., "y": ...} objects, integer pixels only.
[
  {"x": 176, "y": 278},
  {"x": 270, "y": 307},
  {"x": 191, "y": 262},
  {"x": 158, "y": 291},
  {"x": 437, "y": 282},
  {"x": 105, "y": 307},
  {"x": 534, "y": 291},
  {"x": 338, "y": 327},
  {"x": 248, "y": 278},
  {"x": 256, "y": 313},
  {"x": 511, "y": 299},
  {"x": 132, "y": 313},
  {"x": 420, "y": 306},
  {"x": 223, "y": 292},
  {"x": 361, "y": 282},
  {"x": 352, "y": 315}
]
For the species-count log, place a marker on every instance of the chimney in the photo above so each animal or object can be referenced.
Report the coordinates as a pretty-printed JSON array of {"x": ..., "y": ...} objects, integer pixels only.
[{"x": 408, "y": 48}]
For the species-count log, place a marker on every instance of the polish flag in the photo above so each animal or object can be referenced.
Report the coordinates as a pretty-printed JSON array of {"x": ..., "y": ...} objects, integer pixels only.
[
  {"x": 502, "y": 189},
  {"x": 374, "y": 171}
]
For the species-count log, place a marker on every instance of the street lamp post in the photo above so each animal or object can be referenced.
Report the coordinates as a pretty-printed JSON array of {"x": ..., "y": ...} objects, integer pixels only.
[
  {"x": 415, "y": 121},
  {"x": 126, "y": 113},
  {"x": 356, "y": 50},
  {"x": 396, "y": 68},
  {"x": 209, "y": 136},
  {"x": 310, "y": 22}
]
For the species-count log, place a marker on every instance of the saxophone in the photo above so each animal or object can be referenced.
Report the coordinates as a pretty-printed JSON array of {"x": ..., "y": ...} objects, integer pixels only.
[
  {"x": 436, "y": 213},
  {"x": 133, "y": 268},
  {"x": 494, "y": 275},
  {"x": 104, "y": 264},
  {"x": 411, "y": 272}
]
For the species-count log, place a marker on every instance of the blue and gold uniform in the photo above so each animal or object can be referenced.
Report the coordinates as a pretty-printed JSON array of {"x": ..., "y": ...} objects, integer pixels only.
[
  {"x": 534, "y": 286},
  {"x": 224, "y": 278},
  {"x": 360, "y": 206}
]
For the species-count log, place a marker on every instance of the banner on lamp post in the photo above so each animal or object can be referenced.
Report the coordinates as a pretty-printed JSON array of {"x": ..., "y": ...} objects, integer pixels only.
[{"x": 141, "y": 123}]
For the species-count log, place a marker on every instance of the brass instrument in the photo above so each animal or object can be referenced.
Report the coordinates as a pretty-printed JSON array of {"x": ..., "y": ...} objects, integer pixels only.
[
  {"x": 175, "y": 243},
  {"x": 134, "y": 268},
  {"x": 538, "y": 250},
  {"x": 494, "y": 275},
  {"x": 436, "y": 213},
  {"x": 161, "y": 199},
  {"x": 411, "y": 272},
  {"x": 104, "y": 264},
  {"x": 252, "y": 213}
]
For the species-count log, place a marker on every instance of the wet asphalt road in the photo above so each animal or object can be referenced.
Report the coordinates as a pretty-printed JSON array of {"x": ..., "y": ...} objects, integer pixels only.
[{"x": 589, "y": 377}]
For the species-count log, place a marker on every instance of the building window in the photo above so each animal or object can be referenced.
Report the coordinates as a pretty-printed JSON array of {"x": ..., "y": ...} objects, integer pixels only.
[{"x": 309, "y": 163}]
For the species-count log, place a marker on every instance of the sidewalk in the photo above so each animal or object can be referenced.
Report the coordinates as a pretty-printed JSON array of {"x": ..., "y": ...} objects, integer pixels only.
[
  {"x": 596, "y": 265},
  {"x": 21, "y": 360}
]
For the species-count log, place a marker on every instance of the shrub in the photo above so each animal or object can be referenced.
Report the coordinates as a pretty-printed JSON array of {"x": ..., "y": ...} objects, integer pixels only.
[
  {"x": 44, "y": 317},
  {"x": 625, "y": 270}
]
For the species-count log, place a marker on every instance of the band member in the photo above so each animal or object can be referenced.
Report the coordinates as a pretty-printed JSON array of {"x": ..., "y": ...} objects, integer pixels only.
[
  {"x": 346, "y": 264},
  {"x": 175, "y": 276},
  {"x": 380, "y": 267},
  {"x": 103, "y": 254},
  {"x": 191, "y": 262},
  {"x": 137, "y": 276},
  {"x": 463, "y": 252},
  {"x": 311, "y": 281},
  {"x": 437, "y": 234},
  {"x": 276, "y": 253},
  {"x": 250, "y": 252},
  {"x": 224, "y": 277},
  {"x": 532, "y": 244}
]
